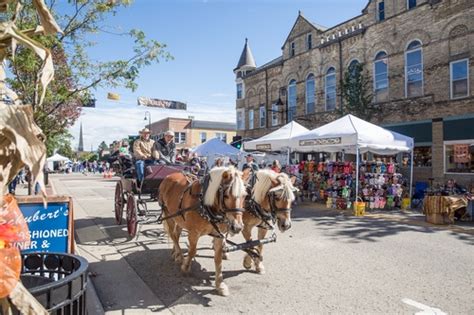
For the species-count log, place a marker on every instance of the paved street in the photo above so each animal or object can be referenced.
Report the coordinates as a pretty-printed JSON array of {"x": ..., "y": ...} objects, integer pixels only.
[{"x": 326, "y": 263}]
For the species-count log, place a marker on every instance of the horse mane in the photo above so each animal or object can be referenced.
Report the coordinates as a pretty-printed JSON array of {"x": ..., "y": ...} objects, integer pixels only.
[
  {"x": 238, "y": 187},
  {"x": 264, "y": 185}
]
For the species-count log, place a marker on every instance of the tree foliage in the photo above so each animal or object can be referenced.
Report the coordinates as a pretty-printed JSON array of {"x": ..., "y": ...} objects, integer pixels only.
[
  {"x": 356, "y": 90},
  {"x": 76, "y": 73}
]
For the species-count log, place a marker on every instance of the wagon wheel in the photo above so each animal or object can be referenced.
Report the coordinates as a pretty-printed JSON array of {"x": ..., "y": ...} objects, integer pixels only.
[
  {"x": 119, "y": 202},
  {"x": 132, "y": 221}
]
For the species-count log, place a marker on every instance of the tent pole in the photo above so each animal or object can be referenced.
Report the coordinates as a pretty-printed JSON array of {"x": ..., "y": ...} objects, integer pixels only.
[
  {"x": 411, "y": 173},
  {"x": 288, "y": 158},
  {"x": 357, "y": 172}
]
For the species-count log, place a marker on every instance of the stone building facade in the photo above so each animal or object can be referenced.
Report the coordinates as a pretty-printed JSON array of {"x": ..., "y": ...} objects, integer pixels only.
[{"x": 419, "y": 56}]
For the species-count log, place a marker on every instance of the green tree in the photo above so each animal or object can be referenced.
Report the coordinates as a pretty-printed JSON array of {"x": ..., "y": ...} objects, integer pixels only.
[
  {"x": 76, "y": 74},
  {"x": 356, "y": 91},
  {"x": 61, "y": 143},
  {"x": 103, "y": 146}
]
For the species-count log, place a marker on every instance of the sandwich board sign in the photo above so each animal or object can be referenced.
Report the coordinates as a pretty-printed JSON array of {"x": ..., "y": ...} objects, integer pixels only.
[{"x": 51, "y": 227}]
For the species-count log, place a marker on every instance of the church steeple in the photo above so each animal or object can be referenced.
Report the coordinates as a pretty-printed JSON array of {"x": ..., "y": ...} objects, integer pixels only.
[
  {"x": 246, "y": 61},
  {"x": 80, "y": 147}
]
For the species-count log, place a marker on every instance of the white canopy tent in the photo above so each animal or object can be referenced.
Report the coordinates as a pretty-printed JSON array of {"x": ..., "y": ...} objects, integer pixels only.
[
  {"x": 215, "y": 148},
  {"x": 277, "y": 140},
  {"x": 354, "y": 135},
  {"x": 57, "y": 158}
]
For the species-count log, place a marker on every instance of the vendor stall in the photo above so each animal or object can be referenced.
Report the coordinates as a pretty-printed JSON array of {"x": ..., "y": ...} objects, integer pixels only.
[
  {"x": 352, "y": 135},
  {"x": 216, "y": 148}
]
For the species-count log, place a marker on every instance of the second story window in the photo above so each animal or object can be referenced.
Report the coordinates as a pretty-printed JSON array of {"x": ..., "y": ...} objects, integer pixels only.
[
  {"x": 239, "y": 91},
  {"x": 221, "y": 136},
  {"x": 241, "y": 119},
  {"x": 309, "y": 41},
  {"x": 381, "y": 76},
  {"x": 291, "y": 100},
  {"x": 411, "y": 4},
  {"x": 203, "y": 136},
  {"x": 414, "y": 69},
  {"x": 381, "y": 11},
  {"x": 180, "y": 137},
  {"x": 292, "y": 49},
  {"x": 250, "y": 119},
  {"x": 310, "y": 93},
  {"x": 331, "y": 89},
  {"x": 459, "y": 78},
  {"x": 262, "y": 116}
]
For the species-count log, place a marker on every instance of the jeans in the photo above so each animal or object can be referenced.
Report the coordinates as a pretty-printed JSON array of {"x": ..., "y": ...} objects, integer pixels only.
[{"x": 140, "y": 168}]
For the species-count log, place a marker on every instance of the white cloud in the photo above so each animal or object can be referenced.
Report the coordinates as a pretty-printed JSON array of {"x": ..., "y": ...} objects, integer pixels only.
[{"x": 116, "y": 121}]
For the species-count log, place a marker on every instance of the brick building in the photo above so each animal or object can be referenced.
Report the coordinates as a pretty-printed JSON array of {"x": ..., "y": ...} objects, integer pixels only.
[
  {"x": 190, "y": 133},
  {"x": 418, "y": 55}
]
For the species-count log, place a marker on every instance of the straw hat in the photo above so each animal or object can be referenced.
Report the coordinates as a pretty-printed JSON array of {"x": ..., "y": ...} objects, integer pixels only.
[{"x": 144, "y": 130}]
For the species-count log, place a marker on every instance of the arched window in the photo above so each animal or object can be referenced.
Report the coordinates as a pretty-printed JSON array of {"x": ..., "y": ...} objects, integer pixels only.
[
  {"x": 353, "y": 66},
  {"x": 414, "y": 69},
  {"x": 330, "y": 89},
  {"x": 291, "y": 100},
  {"x": 310, "y": 94},
  {"x": 381, "y": 76}
]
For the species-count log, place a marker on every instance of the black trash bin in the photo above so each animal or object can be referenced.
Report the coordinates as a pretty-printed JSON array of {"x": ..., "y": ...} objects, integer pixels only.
[{"x": 57, "y": 280}]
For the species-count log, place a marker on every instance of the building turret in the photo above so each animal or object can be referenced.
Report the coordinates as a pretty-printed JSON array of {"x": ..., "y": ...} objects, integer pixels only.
[{"x": 245, "y": 65}]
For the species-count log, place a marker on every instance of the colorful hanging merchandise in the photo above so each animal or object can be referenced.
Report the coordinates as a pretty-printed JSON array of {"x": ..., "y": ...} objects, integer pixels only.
[{"x": 380, "y": 186}]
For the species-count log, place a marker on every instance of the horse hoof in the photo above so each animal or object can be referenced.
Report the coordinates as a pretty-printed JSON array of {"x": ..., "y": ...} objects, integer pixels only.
[
  {"x": 260, "y": 270},
  {"x": 223, "y": 290},
  {"x": 247, "y": 263}
]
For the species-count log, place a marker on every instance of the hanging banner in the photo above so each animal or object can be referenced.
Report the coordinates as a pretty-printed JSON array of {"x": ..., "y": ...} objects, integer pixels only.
[
  {"x": 154, "y": 102},
  {"x": 51, "y": 228},
  {"x": 264, "y": 147}
]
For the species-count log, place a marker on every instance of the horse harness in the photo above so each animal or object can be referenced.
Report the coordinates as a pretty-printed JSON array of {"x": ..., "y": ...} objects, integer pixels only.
[
  {"x": 255, "y": 209},
  {"x": 203, "y": 210}
]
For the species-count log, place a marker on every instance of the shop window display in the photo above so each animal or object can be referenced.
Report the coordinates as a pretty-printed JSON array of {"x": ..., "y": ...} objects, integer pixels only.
[
  {"x": 422, "y": 157},
  {"x": 459, "y": 157}
]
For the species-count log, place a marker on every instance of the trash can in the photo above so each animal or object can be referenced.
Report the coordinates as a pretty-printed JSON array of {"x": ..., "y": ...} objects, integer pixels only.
[{"x": 57, "y": 280}]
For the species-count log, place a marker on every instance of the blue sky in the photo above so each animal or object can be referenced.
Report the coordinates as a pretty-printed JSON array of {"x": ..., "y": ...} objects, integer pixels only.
[{"x": 206, "y": 38}]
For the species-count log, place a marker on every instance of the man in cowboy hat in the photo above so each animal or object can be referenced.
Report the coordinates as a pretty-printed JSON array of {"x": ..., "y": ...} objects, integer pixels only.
[
  {"x": 142, "y": 151},
  {"x": 166, "y": 148}
]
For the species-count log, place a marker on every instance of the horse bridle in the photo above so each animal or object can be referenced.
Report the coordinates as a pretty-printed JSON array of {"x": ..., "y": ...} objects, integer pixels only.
[{"x": 222, "y": 189}]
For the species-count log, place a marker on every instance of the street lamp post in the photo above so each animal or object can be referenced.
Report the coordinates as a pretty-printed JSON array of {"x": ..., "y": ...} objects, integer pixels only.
[{"x": 149, "y": 119}]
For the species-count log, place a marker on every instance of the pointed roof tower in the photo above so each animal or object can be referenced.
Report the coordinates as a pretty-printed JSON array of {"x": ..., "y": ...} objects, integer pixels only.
[
  {"x": 80, "y": 147},
  {"x": 246, "y": 61}
]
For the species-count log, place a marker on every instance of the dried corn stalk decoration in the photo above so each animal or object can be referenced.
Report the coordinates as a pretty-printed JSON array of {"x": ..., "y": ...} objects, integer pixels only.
[{"x": 21, "y": 141}]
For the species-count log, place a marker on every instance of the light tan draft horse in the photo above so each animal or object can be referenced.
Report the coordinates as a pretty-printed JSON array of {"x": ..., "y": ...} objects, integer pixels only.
[
  {"x": 272, "y": 195},
  {"x": 181, "y": 201}
]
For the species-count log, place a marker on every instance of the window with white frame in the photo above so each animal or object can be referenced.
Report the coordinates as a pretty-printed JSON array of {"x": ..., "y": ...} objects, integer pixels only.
[
  {"x": 239, "y": 91},
  {"x": 414, "y": 69},
  {"x": 459, "y": 74},
  {"x": 411, "y": 4},
  {"x": 241, "y": 119},
  {"x": 203, "y": 136},
  {"x": 310, "y": 94},
  {"x": 330, "y": 89},
  {"x": 292, "y": 49},
  {"x": 274, "y": 115},
  {"x": 180, "y": 137},
  {"x": 262, "y": 116},
  {"x": 250, "y": 118},
  {"x": 309, "y": 41},
  {"x": 221, "y": 136},
  {"x": 381, "y": 76},
  {"x": 291, "y": 100},
  {"x": 381, "y": 11},
  {"x": 459, "y": 156}
]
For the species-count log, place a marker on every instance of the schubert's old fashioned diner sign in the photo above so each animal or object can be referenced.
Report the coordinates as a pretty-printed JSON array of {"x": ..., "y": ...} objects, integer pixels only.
[
  {"x": 264, "y": 147},
  {"x": 51, "y": 227},
  {"x": 320, "y": 141}
]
